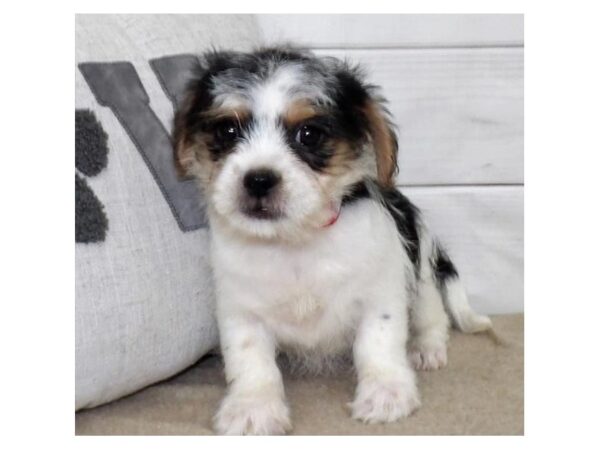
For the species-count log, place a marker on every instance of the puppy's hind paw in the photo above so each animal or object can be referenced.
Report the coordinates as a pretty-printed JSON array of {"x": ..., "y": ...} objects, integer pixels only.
[
  {"x": 252, "y": 415},
  {"x": 423, "y": 358}
]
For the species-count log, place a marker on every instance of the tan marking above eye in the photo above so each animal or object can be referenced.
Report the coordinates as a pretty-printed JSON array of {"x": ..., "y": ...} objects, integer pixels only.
[
  {"x": 298, "y": 112},
  {"x": 239, "y": 114}
]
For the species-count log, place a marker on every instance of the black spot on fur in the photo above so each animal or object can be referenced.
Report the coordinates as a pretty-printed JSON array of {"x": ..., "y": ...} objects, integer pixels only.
[
  {"x": 407, "y": 217},
  {"x": 443, "y": 268},
  {"x": 356, "y": 192},
  {"x": 315, "y": 158},
  {"x": 349, "y": 96},
  {"x": 351, "y": 89},
  {"x": 385, "y": 317},
  {"x": 91, "y": 150},
  {"x": 90, "y": 221}
]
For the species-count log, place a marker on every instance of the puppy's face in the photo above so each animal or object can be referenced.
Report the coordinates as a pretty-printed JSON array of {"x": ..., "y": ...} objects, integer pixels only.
[{"x": 278, "y": 137}]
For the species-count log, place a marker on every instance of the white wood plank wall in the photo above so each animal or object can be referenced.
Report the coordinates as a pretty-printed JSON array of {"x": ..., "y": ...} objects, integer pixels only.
[{"x": 455, "y": 86}]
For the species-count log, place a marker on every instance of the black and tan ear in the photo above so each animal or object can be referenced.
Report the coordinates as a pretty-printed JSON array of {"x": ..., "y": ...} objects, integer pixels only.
[
  {"x": 183, "y": 151},
  {"x": 365, "y": 109},
  {"x": 384, "y": 140},
  {"x": 186, "y": 123}
]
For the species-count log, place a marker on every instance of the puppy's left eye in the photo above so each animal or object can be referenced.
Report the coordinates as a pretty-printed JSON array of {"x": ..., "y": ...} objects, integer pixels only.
[
  {"x": 309, "y": 136},
  {"x": 227, "y": 131}
]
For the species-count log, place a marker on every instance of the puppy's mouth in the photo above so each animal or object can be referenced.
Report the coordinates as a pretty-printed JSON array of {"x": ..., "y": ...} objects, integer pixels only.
[{"x": 261, "y": 210}]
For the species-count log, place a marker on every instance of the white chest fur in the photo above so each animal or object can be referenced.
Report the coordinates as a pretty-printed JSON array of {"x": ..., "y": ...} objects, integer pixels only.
[{"x": 311, "y": 295}]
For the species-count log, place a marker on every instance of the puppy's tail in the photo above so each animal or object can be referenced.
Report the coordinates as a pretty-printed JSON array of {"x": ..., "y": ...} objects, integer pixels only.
[
  {"x": 455, "y": 298},
  {"x": 461, "y": 313}
]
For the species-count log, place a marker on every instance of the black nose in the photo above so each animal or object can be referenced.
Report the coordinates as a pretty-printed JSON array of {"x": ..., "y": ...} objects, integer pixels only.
[{"x": 260, "y": 182}]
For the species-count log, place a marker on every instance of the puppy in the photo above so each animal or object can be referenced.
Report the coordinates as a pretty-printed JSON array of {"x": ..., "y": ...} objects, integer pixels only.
[{"x": 314, "y": 251}]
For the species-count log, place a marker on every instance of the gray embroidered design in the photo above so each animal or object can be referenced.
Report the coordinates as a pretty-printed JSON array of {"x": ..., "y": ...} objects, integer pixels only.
[
  {"x": 174, "y": 73},
  {"x": 91, "y": 154},
  {"x": 90, "y": 221},
  {"x": 91, "y": 149},
  {"x": 118, "y": 86}
]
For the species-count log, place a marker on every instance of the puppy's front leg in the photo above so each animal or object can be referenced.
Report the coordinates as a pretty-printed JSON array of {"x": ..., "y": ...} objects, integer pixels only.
[
  {"x": 387, "y": 389},
  {"x": 255, "y": 401}
]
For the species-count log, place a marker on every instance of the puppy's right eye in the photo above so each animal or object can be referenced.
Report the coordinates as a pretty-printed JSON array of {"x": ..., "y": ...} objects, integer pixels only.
[
  {"x": 309, "y": 136},
  {"x": 227, "y": 131}
]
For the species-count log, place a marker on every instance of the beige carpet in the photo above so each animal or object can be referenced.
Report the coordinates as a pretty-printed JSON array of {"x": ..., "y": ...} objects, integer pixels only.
[{"x": 479, "y": 393}]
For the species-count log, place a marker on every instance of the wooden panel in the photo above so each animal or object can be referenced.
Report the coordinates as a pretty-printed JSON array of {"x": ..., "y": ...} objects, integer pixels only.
[
  {"x": 393, "y": 30},
  {"x": 460, "y": 111},
  {"x": 482, "y": 229}
]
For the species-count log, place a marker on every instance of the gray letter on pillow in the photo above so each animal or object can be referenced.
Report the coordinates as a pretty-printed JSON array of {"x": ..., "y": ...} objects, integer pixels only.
[
  {"x": 174, "y": 73},
  {"x": 118, "y": 86}
]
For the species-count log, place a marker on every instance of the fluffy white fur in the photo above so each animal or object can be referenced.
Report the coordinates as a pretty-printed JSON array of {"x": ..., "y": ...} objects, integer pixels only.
[{"x": 346, "y": 284}]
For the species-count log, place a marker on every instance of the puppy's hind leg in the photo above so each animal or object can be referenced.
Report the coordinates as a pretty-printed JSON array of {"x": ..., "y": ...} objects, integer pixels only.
[
  {"x": 441, "y": 298},
  {"x": 429, "y": 328}
]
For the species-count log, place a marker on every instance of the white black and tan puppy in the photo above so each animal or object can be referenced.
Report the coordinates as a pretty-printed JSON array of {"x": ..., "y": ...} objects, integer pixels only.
[{"x": 315, "y": 252}]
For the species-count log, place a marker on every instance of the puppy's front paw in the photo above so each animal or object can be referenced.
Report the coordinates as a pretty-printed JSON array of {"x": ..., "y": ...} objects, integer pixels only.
[
  {"x": 429, "y": 357},
  {"x": 252, "y": 414},
  {"x": 385, "y": 400}
]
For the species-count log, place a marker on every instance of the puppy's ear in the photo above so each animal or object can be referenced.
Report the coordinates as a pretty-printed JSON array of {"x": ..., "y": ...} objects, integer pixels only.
[
  {"x": 384, "y": 140},
  {"x": 183, "y": 152},
  {"x": 363, "y": 109},
  {"x": 188, "y": 117}
]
